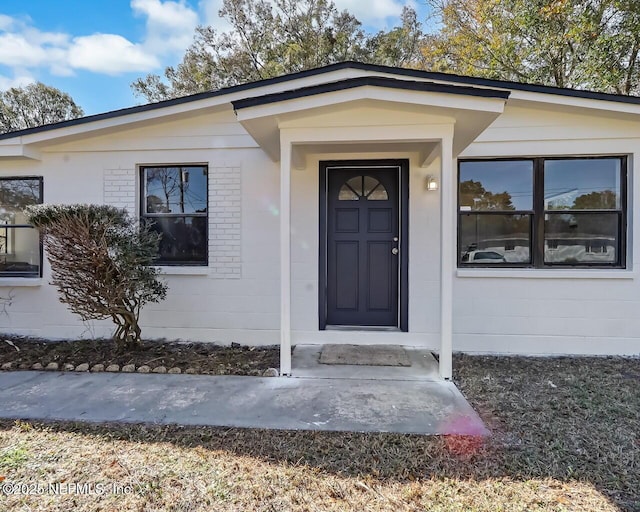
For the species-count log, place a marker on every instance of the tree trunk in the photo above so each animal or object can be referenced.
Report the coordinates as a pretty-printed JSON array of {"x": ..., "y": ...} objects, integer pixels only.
[{"x": 127, "y": 334}]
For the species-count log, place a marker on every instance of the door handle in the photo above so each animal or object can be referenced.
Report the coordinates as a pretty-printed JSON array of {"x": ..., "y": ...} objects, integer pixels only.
[{"x": 395, "y": 250}]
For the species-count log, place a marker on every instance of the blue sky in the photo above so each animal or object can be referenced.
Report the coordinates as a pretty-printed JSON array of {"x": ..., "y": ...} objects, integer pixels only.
[{"x": 94, "y": 49}]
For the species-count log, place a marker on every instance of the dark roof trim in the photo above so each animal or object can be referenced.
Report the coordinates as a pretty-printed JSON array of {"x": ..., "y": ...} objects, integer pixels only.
[
  {"x": 376, "y": 81},
  {"x": 466, "y": 80},
  {"x": 503, "y": 84}
]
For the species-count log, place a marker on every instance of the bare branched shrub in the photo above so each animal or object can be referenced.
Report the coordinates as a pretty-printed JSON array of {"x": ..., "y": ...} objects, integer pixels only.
[
  {"x": 101, "y": 263},
  {"x": 5, "y": 302}
]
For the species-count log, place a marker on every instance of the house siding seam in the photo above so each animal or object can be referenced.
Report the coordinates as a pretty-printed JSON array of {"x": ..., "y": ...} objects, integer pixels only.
[
  {"x": 225, "y": 221},
  {"x": 120, "y": 189}
]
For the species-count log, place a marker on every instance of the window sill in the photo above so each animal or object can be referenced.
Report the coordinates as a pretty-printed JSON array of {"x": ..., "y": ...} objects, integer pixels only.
[
  {"x": 183, "y": 271},
  {"x": 20, "y": 282},
  {"x": 535, "y": 273}
]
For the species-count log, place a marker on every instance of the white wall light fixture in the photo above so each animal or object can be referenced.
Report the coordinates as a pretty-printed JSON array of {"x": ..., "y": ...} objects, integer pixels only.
[{"x": 432, "y": 183}]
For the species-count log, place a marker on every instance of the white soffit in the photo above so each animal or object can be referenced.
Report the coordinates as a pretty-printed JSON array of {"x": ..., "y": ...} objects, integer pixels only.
[
  {"x": 470, "y": 115},
  {"x": 122, "y": 119}
]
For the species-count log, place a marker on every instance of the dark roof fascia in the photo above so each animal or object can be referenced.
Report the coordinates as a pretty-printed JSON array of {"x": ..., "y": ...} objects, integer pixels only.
[
  {"x": 175, "y": 101},
  {"x": 376, "y": 81},
  {"x": 431, "y": 75},
  {"x": 501, "y": 84}
]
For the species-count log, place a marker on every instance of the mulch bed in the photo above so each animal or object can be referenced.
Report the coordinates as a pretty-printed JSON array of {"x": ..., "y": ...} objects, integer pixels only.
[{"x": 201, "y": 358}]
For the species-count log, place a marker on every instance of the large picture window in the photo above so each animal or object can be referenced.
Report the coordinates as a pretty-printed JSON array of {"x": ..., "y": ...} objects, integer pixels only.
[
  {"x": 20, "y": 249},
  {"x": 542, "y": 212},
  {"x": 174, "y": 203}
]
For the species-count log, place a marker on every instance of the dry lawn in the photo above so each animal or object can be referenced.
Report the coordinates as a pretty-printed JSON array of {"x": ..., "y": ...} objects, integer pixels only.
[{"x": 566, "y": 437}]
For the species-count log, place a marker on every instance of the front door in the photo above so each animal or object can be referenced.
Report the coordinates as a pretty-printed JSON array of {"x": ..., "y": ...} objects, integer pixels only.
[{"x": 363, "y": 245}]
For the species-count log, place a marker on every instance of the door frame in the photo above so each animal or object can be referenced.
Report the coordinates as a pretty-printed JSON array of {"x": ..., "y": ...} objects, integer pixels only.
[{"x": 403, "y": 265}]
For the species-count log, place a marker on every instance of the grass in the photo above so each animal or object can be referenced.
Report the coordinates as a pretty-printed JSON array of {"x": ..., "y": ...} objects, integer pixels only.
[{"x": 566, "y": 438}]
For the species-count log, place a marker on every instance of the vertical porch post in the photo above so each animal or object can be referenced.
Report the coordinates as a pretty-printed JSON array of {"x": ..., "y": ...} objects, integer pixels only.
[
  {"x": 285, "y": 257},
  {"x": 447, "y": 255}
]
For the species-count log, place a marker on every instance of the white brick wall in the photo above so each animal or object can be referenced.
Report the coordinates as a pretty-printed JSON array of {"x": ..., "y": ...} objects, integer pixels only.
[
  {"x": 225, "y": 214},
  {"x": 120, "y": 189},
  {"x": 225, "y": 211}
]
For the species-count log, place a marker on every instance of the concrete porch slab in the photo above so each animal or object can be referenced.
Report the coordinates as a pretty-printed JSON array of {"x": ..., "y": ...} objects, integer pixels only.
[
  {"x": 305, "y": 362},
  {"x": 418, "y": 407}
]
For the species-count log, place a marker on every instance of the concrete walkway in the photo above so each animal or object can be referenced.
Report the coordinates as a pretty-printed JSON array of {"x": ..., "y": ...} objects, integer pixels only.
[{"x": 361, "y": 405}]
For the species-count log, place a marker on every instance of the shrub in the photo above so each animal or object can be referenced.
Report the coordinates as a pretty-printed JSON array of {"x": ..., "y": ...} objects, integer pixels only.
[{"x": 101, "y": 263}]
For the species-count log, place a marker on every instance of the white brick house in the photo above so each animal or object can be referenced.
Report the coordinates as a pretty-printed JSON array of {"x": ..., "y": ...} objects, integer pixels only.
[{"x": 355, "y": 204}]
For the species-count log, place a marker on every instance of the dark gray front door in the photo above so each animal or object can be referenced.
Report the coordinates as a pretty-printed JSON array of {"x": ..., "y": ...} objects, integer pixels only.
[{"x": 362, "y": 258}]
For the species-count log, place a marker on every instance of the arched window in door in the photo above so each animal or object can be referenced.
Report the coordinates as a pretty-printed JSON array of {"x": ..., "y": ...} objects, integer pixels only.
[{"x": 363, "y": 187}]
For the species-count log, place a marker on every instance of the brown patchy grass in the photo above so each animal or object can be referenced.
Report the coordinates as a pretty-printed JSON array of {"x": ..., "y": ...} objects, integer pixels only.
[{"x": 565, "y": 439}]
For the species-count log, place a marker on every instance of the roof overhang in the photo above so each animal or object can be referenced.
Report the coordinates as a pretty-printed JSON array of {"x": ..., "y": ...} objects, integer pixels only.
[
  {"x": 470, "y": 109},
  {"x": 341, "y": 71},
  {"x": 470, "y": 100},
  {"x": 19, "y": 151}
]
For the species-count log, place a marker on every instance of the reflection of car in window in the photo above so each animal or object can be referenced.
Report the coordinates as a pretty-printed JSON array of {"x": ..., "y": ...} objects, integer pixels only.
[
  {"x": 543, "y": 211},
  {"x": 483, "y": 257}
]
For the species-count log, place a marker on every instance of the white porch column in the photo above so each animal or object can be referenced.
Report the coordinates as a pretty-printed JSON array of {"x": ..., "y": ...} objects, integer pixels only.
[
  {"x": 285, "y": 257},
  {"x": 447, "y": 256}
]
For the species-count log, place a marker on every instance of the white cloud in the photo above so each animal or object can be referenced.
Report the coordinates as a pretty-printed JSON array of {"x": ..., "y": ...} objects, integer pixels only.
[
  {"x": 210, "y": 9},
  {"x": 59, "y": 61},
  {"x": 169, "y": 29},
  {"x": 110, "y": 54},
  {"x": 169, "y": 26},
  {"x": 15, "y": 50},
  {"x": 374, "y": 13},
  {"x": 47, "y": 39},
  {"x": 23, "y": 45},
  {"x": 17, "y": 81},
  {"x": 5, "y": 22}
]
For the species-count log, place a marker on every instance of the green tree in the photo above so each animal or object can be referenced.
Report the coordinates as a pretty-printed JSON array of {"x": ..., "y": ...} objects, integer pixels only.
[
  {"x": 35, "y": 105},
  {"x": 591, "y": 44},
  {"x": 265, "y": 40},
  {"x": 401, "y": 46},
  {"x": 101, "y": 263},
  {"x": 606, "y": 199},
  {"x": 269, "y": 39},
  {"x": 473, "y": 194}
]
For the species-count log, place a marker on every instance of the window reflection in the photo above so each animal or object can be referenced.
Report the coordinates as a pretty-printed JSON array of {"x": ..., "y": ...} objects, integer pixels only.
[
  {"x": 184, "y": 239},
  {"x": 176, "y": 189},
  {"x": 19, "y": 242},
  {"x": 16, "y": 195},
  {"x": 581, "y": 238},
  {"x": 175, "y": 205},
  {"x": 582, "y": 184},
  {"x": 495, "y": 239},
  {"x": 572, "y": 207},
  {"x": 496, "y": 185}
]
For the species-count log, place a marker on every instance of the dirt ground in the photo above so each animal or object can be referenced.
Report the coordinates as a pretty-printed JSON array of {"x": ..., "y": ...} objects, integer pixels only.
[{"x": 204, "y": 358}]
